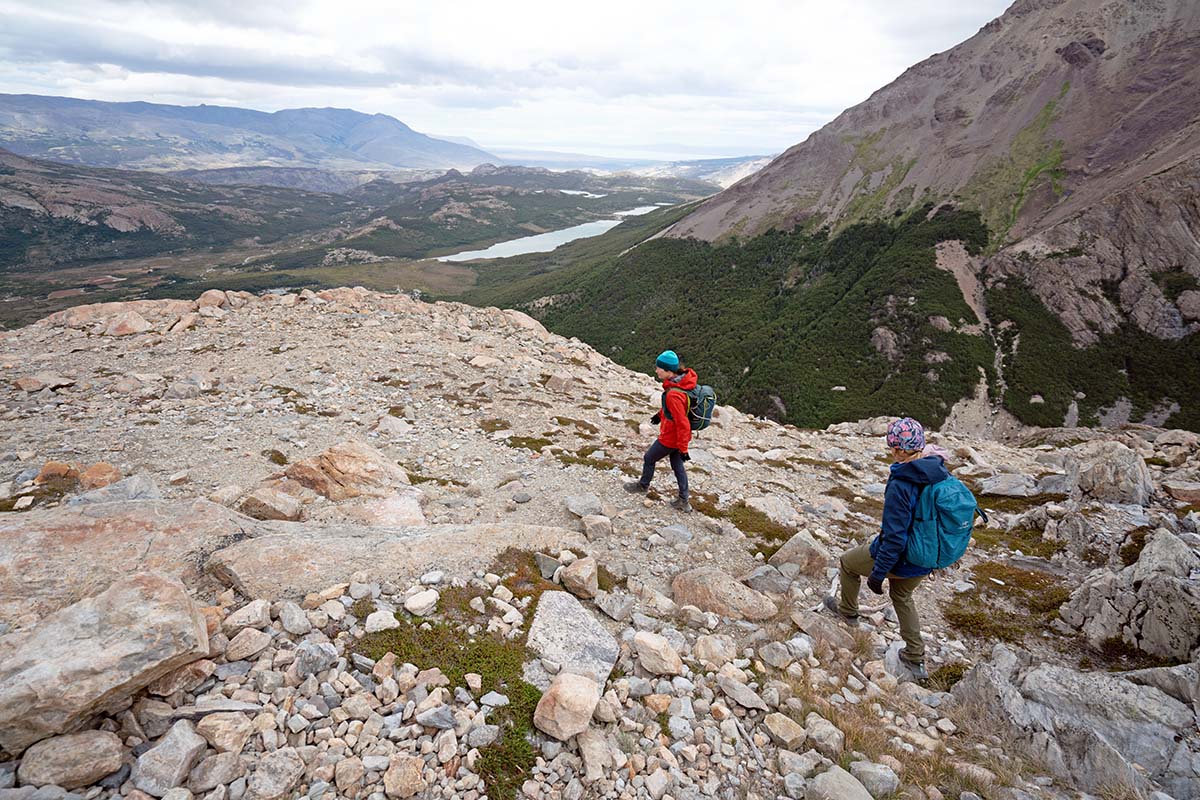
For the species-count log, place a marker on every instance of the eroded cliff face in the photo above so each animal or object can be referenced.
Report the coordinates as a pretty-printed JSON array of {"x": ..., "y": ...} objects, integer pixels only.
[
  {"x": 1118, "y": 260},
  {"x": 1047, "y": 110}
]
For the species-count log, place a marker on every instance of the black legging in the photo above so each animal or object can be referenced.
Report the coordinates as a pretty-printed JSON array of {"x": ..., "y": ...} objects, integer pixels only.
[{"x": 657, "y": 452}]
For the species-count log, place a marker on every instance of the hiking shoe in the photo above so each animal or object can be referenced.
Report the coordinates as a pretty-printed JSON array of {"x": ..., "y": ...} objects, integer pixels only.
[
  {"x": 831, "y": 603},
  {"x": 917, "y": 668},
  {"x": 681, "y": 504},
  {"x": 635, "y": 487}
]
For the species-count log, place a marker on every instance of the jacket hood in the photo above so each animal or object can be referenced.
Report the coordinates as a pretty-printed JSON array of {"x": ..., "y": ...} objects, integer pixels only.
[
  {"x": 922, "y": 471},
  {"x": 685, "y": 381}
]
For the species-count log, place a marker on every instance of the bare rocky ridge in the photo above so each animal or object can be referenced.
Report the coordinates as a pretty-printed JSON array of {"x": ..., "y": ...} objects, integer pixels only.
[
  {"x": 1069, "y": 124},
  {"x": 306, "y": 473}
]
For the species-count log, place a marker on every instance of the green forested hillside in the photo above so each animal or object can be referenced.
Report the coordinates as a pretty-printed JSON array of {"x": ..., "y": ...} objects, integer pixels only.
[
  {"x": 776, "y": 323},
  {"x": 1152, "y": 374}
]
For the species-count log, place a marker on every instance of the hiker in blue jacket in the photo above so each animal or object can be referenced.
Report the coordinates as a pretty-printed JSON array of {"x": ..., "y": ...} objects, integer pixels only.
[{"x": 883, "y": 557}]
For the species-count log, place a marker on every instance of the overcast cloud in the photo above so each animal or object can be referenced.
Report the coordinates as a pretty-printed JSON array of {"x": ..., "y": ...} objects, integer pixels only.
[{"x": 619, "y": 78}]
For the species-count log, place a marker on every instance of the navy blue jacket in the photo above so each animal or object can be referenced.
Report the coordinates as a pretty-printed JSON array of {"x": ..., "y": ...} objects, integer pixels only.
[{"x": 899, "y": 509}]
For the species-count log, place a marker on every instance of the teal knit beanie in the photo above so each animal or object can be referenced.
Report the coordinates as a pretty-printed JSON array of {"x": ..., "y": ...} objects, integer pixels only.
[{"x": 667, "y": 360}]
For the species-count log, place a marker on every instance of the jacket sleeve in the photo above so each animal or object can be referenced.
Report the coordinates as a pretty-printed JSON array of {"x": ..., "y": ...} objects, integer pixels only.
[
  {"x": 679, "y": 427},
  {"x": 899, "y": 505}
]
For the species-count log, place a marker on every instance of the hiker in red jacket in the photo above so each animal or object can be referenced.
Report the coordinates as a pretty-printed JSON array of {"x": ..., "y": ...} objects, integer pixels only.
[{"x": 674, "y": 429}]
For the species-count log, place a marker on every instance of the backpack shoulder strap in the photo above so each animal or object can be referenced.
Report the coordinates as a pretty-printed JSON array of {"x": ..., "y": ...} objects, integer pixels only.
[{"x": 666, "y": 412}]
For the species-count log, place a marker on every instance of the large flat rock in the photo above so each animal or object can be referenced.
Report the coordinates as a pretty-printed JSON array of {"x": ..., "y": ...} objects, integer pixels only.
[
  {"x": 301, "y": 558},
  {"x": 91, "y": 657},
  {"x": 55, "y": 557}
]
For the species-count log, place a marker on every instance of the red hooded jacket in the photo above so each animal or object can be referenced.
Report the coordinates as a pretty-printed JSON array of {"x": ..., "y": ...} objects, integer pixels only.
[{"x": 676, "y": 432}]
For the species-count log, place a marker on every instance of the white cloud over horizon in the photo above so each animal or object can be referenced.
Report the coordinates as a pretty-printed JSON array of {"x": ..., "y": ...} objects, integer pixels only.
[{"x": 691, "y": 79}]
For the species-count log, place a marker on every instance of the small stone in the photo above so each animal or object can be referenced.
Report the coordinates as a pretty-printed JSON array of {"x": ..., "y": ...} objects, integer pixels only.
[
  {"x": 226, "y": 732},
  {"x": 403, "y": 777},
  {"x": 656, "y": 655},
  {"x": 879, "y": 780},
  {"x": 423, "y": 603},
  {"x": 276, "y": 775},
  {"x": 293, "y": 619},
  {"x": 581, "y": 578},
  {"x": 381, "y": 620},
  {"x": 217, "y": 770},
  {"x": 566, "y": 708},
  {"x": 167, "y": 764},
  {"x": 249, "y": 642},
  {"x": 71, "y": 761},
  {"x": 314, "y": 658},
  {"x": 835, "y": 784},
  {"x": 785, "y": 731}
]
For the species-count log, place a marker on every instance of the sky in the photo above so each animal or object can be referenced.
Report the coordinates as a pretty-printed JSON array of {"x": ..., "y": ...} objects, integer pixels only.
[{"x": 627, "y": 79}]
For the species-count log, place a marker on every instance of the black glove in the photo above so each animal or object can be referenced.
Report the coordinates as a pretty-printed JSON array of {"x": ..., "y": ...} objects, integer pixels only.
[
  {"x": 686, "y": 457},
  {"x": 875, "y": 584},
  {"x": 657, "y": 418}
]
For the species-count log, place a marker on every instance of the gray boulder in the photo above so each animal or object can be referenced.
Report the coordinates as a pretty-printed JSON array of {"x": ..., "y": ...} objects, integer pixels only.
[
  {"x": 1009, "y": 484},
  {"x": 135, "y": 487},
  {"x": 1090, "y": 729},
  {"x": 566, "y": 633},
  {"x": 1153, "y": 604},
  {"x": 1113, "y": 473},
  {"x": 835, "y": 784}
]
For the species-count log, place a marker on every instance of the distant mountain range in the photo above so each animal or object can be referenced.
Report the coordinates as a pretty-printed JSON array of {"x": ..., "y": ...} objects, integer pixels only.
[
  {"x": 151, "y": 136},
  {"x": 721, "y": 171}
]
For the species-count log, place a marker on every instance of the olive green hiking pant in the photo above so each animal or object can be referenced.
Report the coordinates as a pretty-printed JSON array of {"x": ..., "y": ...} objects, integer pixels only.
[{"x": 856, "y": 564}]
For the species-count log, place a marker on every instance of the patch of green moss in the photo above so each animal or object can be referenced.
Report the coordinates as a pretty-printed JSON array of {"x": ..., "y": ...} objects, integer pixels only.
[
  {"x": 1034, "y": 596},
  {"x": 416, "y": 479},
  {"x": 521, "y": 575},
  {"x": 586, "y": 427},
  {"x": 363, "y": 607},
  {"x": 944, "y": 677},
  {"x": 857, "y": 502},
  {"x": 767, "y": 535},
  {"x": 507, "y": 763},
  {"x": 1155, "y": 461},
  {"x": 533, "y": 444},
  {"x": 601, "y": 464},
  {"x": 1117, "y": 655},
  {"x": 1135, "y": 542},
  {"x": 1028, "y": 541},
  {"x": 493, "y": 425},
  {"x": 1016, "y": 505}
]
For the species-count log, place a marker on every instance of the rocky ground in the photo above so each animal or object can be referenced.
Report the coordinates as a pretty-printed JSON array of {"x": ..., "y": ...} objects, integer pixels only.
[{"x": 353, "y": 545}]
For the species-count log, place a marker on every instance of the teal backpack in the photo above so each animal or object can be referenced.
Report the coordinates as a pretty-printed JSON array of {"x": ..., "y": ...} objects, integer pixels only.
[
  {"x": 942, "y": 526},
  {"x": 702, "y": 401}
]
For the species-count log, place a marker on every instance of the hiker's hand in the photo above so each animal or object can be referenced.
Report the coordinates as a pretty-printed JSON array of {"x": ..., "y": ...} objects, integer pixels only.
[
  {"x": 686, "y": 457},
  {"x": 875, "y": 585},
  {"x": 657, "y": 418}
]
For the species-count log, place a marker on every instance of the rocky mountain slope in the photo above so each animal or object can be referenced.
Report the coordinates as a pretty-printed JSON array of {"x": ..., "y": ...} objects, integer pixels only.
[
  {"x": 345, "y": 543},
  {"x": 153, "y": 136},
  {"x": 1070, "y": 125}
]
